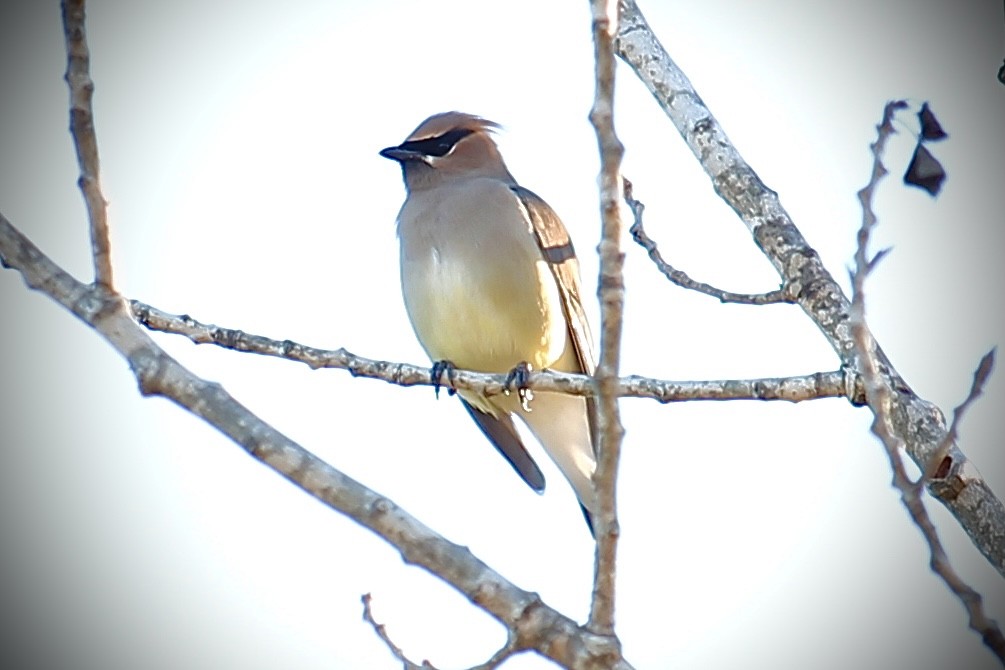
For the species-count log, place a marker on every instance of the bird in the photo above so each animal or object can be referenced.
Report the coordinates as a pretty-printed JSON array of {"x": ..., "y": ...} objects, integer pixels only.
[{"x": 491, "y": 283}]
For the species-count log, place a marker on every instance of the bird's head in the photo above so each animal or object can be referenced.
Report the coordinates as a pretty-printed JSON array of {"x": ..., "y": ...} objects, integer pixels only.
[{"x": 448, "y": 146}]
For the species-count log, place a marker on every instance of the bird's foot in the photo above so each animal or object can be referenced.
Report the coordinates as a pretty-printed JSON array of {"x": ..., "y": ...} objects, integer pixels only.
[
  {"x": 517, "y": 379},
  {"x": 439, "y": 368}
]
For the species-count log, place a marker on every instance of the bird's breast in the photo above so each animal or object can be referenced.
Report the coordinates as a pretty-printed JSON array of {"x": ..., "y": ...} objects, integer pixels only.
[{"x": 476, "y": 288}]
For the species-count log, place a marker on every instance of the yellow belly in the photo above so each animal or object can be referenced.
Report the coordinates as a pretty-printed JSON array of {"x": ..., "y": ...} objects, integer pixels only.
[
  {"x": 476, "y": 288},
  {"x": 488, "y": 316}
]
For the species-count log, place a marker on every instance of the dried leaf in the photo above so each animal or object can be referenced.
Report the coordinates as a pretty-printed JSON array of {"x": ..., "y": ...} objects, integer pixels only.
[
  {"x": 925, "y": 171},
  {"x": 931, "y": 129}
]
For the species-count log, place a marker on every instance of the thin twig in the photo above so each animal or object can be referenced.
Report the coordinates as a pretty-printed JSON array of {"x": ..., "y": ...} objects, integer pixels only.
[
  {"x": 381, "y": 632},
  {"x": 511, "y": 647},
  {"x": 78, "y": 78},
  {"x": 937, "y": 464},
  {"x": 681, "y": 278},
  {"x": 611, "y": 291},
  {"x": 879, "y": 396},
  {"x": 799, "y": 388}
]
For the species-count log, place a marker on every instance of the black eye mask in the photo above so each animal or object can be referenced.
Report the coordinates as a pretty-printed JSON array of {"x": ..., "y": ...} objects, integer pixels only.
[{"x": 439, "y": 145}]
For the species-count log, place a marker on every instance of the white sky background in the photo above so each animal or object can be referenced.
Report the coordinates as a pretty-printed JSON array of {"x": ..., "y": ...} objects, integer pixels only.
[{"x": 239, "y": 154}]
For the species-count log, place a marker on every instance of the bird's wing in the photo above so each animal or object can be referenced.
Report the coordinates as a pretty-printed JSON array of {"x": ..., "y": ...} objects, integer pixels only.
[
  {"x": 502, "y": 433},
  {"x": 556, "y": 248}
]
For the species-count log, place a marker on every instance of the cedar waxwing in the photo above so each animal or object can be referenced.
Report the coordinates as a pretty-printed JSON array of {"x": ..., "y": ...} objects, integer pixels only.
[{"x": 491, "y": 283}]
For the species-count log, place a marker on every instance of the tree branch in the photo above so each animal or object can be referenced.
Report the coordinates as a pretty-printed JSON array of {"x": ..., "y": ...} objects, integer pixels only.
[
  {"x": 938, "y": 460},
  {"x": 880, "y": 399},
  {"x": 799, "y": 388},
  {"x": 917, "y": 422},
  {"x": 78, "y": 78},
  {"x": 681, "y": 278},
  {"x": 611, "y": 291},
  {"x": 381, "y": 631}
]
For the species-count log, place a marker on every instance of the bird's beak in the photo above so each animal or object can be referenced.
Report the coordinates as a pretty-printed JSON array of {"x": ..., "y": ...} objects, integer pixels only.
[{"x": 401, "y": 155}]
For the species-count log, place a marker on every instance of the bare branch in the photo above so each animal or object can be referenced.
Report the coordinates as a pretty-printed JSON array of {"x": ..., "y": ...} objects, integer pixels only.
[
  {"x": 611, "y": 291},
  {"x": 511, "y": 647},
  {"x": 381, "y": 632},
  {"x": 836, "y": 384},
  {"x": 938, "y": 462},
  {"x": 78, "y": 78},
  {"x": 919, "y": 423},
  {"x": 880, "y": 399},
  {"x": 736, "y": 182},
  {"x": 681, "y": 278},
  {"x": 536, "y": 625}
]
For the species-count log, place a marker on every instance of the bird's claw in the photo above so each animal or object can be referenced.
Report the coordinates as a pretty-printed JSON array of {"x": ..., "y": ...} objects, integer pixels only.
[
  {"x": 518, "y": 378},
  {"x": 439, "y": 368}
]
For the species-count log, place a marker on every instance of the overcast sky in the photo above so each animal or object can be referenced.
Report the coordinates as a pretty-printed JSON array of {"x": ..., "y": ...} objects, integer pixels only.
[{"x": 239, "y": 149}]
